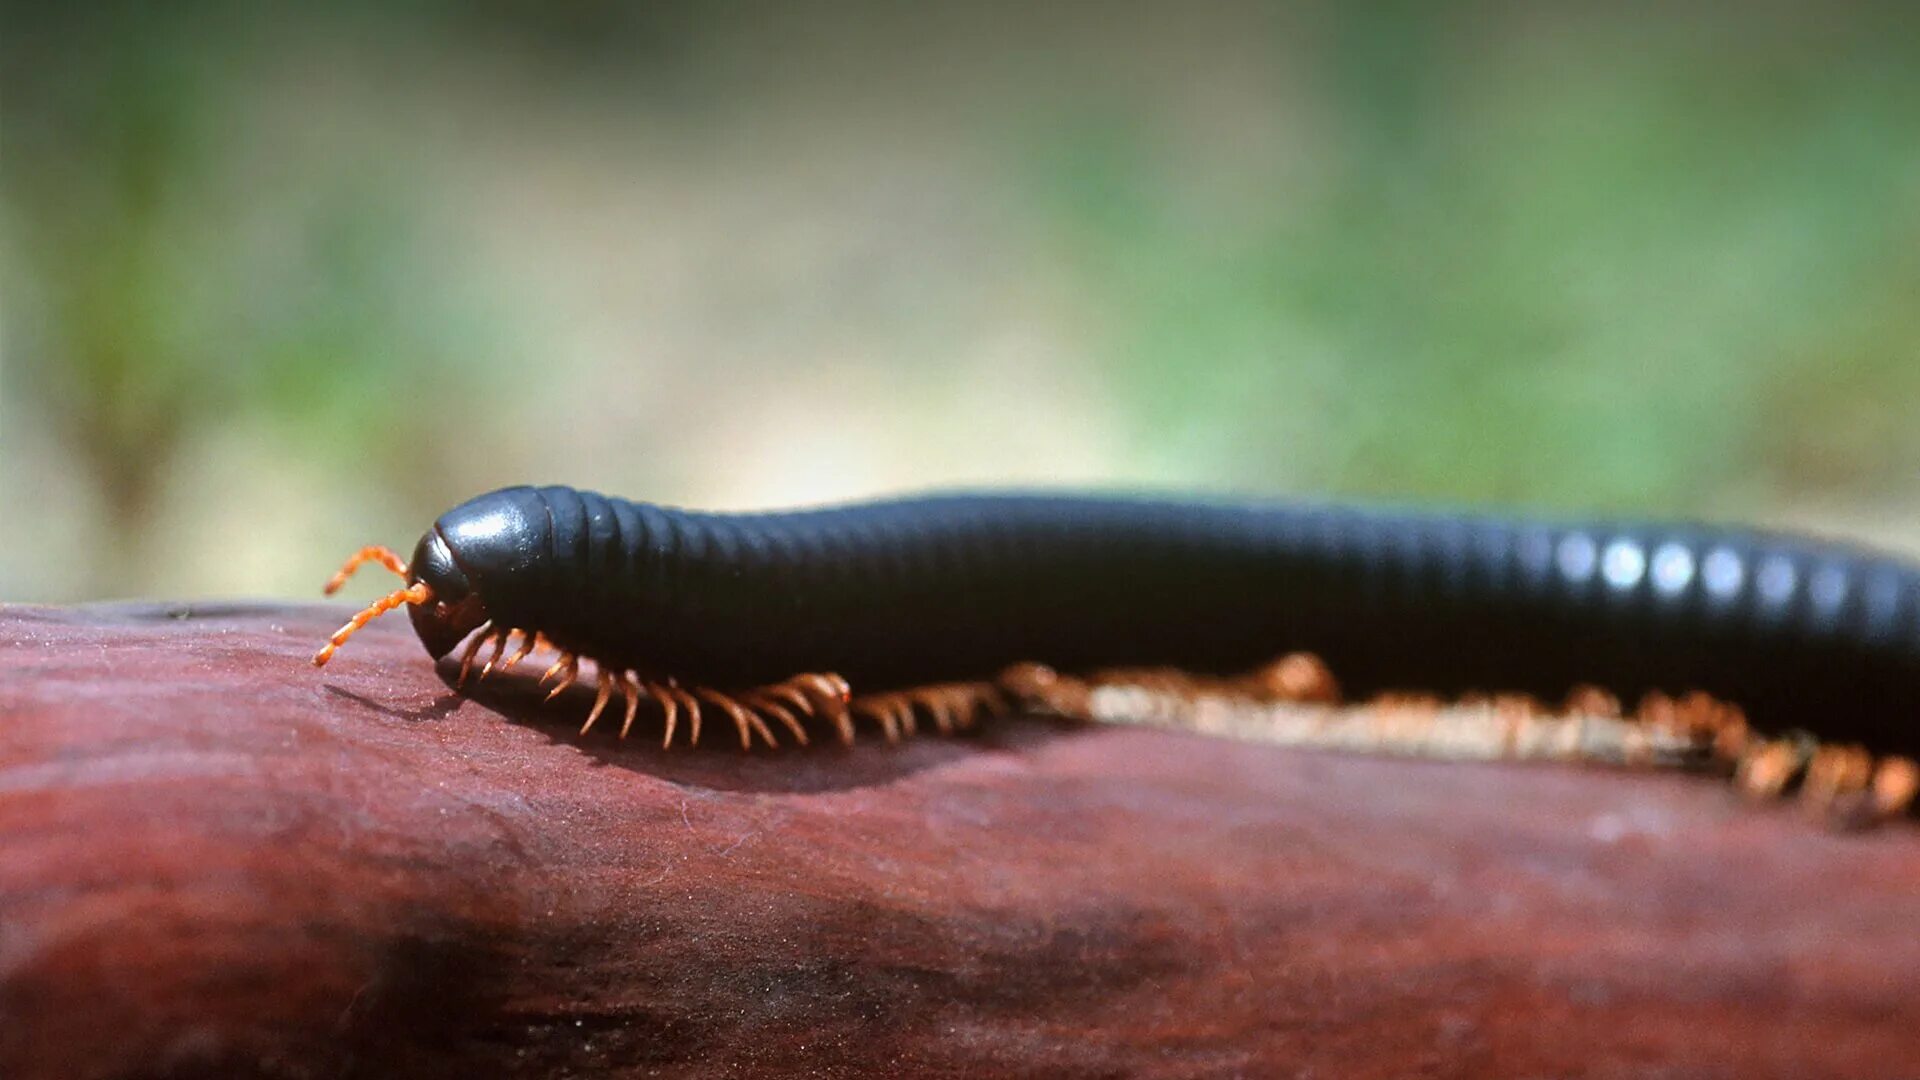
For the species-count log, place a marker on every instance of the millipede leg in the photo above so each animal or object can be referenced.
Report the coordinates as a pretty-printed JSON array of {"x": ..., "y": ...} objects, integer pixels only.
[
  {"x": 692, "y": 705},
  {"x": 601, "y": 696},
  {"x": 746, "y": 721},
  {"x": 940, "y": 707},
  {"x": 780, "y": 713},
  {"x": 811, "y": 694},
  {"x": 830, "y": 694},
  {"x": 669, "y": 707},
  {"x": 961, "y": 707},
  {"x": 759, "y": 727},
  {"x": 1896, "y": 784},
  {"x": 788, "y": 693},
  {"x": 843, "y": 726},
  {"x": 527, "y": 643},
  {"x": 499, "y": 647},
  {"x": 568, "y": 667},
  {"x": 1766, "y": 771},
  {"x": 1296, "y": 676},
  {"x": 739, "y": 717},
  {"x": 1037, "y": 686},
  {"x": 474, "y": 645},
  {"x": 956, "y": 704},
  {"x": 629, "y": 689},
  {"x": 881, "y": 709},
  {"x": 992, "y": 700},
  {"x": 754, "y": 712}
]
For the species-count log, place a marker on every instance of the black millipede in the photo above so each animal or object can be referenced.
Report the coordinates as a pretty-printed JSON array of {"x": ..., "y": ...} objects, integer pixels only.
[{"x": 879, "y": 609}]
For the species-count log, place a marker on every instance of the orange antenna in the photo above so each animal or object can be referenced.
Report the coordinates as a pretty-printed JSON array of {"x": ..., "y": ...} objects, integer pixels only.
[
  {"x": 374, "y": 553},
  {"x": 416, "y": 593}
]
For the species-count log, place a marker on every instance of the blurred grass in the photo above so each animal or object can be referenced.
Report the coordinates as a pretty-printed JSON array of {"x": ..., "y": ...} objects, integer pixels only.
[
  {"x": 165, "y": 282},
  {"x": 279, "y": 280},
  {"x": 1646, "y": 268}
]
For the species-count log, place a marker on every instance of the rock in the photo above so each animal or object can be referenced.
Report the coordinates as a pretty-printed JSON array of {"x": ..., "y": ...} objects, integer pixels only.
[{"x": 216, "y": 859}]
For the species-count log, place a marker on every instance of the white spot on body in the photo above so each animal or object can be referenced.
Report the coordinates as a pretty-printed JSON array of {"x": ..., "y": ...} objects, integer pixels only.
[
  {"x": 1576, "y": 557},
  {"x": 1623, "y": 564},
  {"x": 1672, "y": 568},
  {"x": 1827, "y": 590},
  {"x": 1776, "y": 579},
  {"x": 1723, "y": 573}
]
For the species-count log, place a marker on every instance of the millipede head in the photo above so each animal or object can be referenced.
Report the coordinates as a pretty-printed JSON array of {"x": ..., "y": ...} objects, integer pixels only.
[
  {"x": 456, "y": 610},
  {"x": 437, "y": 597}
]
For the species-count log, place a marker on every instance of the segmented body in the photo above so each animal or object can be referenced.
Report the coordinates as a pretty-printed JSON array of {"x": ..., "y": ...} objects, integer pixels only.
[{"x": 948, "y": 589}]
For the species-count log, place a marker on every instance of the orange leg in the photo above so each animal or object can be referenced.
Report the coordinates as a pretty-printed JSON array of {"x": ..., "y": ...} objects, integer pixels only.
[
  {"x": 1896, "y": 784},
  {"x": 956, "y": 705},
  {"x": 568, "y": 668},
  {"x": 828, "y": 695},
  {"x": 810, "y": 695},
  {"x": 1040, "y": 688},
  {"x": 669, "y": 707},
  {"x": 740, "y": 719},
  {"x": 880, "y": 709},
  {"x": 499, "y": 647},
  {"x": 781, "y": 713},
  {"x": 1588, "y": 700},
  {"x": 950, "y": 705},
  {"x": 759, "y": 726},
  {"x": 474, "y": 645},
  {"x": 501, "y": 639},
  {"x": 1836, "y": 771},
  {"x": 629, "y": 689},
  {"x": 746, "y": 721},
  {"x": 946, "y": 708},
  {"x": 753, "y": 711},
  {"x": 601, "y": 696},
  {"x": 785, "y": 694},
  {"x": 1767, "y": 770},
  {"x": 1297, "y": 677},
  {"x": 692, "y": 706}
]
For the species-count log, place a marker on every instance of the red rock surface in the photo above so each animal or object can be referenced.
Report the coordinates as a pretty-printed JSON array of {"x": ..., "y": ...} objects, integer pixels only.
[{"x": 216, "y": 859}]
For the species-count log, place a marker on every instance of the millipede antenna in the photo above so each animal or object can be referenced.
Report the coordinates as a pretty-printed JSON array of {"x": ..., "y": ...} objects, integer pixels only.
[
  {"x": 379, "y": 553},
  {"x": 416, "y": 593}
]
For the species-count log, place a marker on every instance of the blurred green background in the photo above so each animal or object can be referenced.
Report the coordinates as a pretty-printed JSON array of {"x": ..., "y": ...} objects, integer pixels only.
[{"x": 280, "y": 280}]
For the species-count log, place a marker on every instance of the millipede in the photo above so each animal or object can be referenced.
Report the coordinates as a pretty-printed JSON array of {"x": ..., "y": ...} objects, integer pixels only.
[{"x": 948, "y": 607}]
